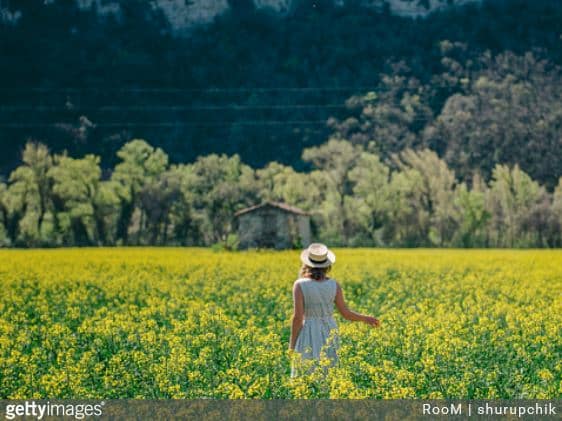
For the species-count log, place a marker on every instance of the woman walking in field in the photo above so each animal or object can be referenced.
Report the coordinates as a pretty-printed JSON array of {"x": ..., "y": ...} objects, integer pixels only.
[{"x": 314, "y": 330}]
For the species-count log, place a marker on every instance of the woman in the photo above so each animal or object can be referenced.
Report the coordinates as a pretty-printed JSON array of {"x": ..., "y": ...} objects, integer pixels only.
[{"x": 314, "y": 330}]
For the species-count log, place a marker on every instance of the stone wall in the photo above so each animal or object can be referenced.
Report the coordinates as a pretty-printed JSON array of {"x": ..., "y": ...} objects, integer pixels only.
[
  {"x": 272, "y": 227},
  {"x": 304, "y": 229}
]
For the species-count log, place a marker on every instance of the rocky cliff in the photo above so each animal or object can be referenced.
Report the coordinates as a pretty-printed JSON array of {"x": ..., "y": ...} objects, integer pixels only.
[{"x": 184, "y": 14}]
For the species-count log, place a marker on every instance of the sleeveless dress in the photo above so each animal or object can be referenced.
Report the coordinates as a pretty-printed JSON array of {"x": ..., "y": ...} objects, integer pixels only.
[{"x": 319, "y": 332}]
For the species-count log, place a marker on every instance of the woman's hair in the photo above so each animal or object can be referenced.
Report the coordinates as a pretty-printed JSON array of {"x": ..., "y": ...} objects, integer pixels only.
[{"x": 314, "y": 273}]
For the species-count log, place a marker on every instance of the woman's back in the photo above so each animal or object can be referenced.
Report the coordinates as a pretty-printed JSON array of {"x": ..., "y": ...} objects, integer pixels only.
[{"x": 319, "y": 297}]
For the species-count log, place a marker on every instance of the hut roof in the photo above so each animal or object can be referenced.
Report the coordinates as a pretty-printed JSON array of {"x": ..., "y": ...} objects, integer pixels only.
[{"x": 279, "y": 205}]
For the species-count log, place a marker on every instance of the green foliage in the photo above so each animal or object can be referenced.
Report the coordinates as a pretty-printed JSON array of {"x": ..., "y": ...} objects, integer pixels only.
[
  {"x": 402, "y": 72},
  {"x": 507, "y": 110},
  {"x": 29, "y": 198},
  {"x": 556, "y": 218},
  {"x": 222, "y": 186},
  {"x": 230, "y": 243},
  {"x": 369, "y": 205},
  {"x": 335, "y": 159},
  {"x": 513, "y": 195},
  {"x": 473, "y": 216},
  {"x": 4, "y": 238},
  {"x": 355, "y": 199},
  {"x": 140, "y": 164},
  {"x": 440, "y": 132},
  {"x": 75, "y": 185}
]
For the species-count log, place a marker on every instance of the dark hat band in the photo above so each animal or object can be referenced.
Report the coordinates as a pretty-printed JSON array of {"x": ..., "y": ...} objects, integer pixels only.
[{"x": 317, "y": 261}]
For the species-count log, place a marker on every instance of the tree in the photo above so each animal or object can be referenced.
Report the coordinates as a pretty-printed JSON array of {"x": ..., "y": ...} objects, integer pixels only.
[
  {"x": 185, "y": 220},
  {"x": 223, "y": 185},
  {"x": 86, "y": 203},
  {"x": 4, "y": 239},
  {"x": 335, "y": 159},
  {"x": 304, "y": 190},
  {"x": 388, "y": 120},
  {"x": 473, "y": 215},
  {"x": 556, "y": 216},
  {"x": 106, "y": 211},
  {"x": 513, "y": 195},
  {"x": 156, "y": 199},
  {"x": 31, "y": 195},
  {"x": 369, "y": 206},
  {"x": 425, "y": 185},
  {"x": 282, "y": 183},
  {"x": 269, "y": 180},
  {"x": 140, "y": 164},
  {"x": 409, "y": 218},
  {"x": 14, "y": 210},
  {"x": 508, "y": 111}
]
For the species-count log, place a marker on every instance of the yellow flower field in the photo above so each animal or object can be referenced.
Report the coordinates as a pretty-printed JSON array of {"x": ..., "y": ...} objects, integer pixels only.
[{"x": 192, "y": 323}]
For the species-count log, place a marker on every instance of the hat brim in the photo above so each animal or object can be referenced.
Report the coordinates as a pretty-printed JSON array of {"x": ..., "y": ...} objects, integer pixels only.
[{"x": 330, "y": 261}]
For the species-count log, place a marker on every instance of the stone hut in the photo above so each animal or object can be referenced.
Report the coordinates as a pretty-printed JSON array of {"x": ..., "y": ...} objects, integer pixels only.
[{"x": 273, "y": 225}]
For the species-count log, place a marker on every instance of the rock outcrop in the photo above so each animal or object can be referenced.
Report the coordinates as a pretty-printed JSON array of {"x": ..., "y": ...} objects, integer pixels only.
[{"x": 185, "y": 14}]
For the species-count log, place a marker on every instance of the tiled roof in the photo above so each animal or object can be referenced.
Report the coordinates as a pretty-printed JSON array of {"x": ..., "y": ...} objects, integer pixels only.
[{"x": 282, "y": 206}]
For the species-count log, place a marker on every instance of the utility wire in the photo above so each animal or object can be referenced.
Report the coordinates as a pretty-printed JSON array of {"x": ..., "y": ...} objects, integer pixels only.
[
  {"x": 41, "y": 108},
  {"x": 167, "y": 107},
  {"x": 180, "y": 123},
  {"x": 170, "y": 124},
  {"x": 213, "y": 90},
  {"x": 208, "y": 90}
]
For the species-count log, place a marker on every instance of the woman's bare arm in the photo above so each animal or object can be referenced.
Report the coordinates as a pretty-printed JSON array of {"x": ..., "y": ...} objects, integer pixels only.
[
  {"x": 350, "y": 314},
  {"x": 298, "y": 314}
]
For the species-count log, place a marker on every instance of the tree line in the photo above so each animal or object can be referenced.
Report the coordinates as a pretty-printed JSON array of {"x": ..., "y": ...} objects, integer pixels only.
[{"x": 355, "y": 198}]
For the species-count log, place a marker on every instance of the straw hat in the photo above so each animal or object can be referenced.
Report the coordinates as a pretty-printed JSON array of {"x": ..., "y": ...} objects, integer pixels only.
[{"x": 317, "y": 255}]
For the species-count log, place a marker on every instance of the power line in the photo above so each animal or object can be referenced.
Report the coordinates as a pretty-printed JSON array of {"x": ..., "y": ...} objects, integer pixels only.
[
  {"x": 171, "y": 124},
  {"x": 169, "y": 107},
  {"x": 277, "y": 89},
  {"x": 42, "y": 108},
  {"x": 206, "y": 90},
  {"x": 184, "y": 124}
]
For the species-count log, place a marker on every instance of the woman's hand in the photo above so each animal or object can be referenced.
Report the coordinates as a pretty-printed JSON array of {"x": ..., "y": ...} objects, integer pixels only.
[{"x": 372, "y": 321}]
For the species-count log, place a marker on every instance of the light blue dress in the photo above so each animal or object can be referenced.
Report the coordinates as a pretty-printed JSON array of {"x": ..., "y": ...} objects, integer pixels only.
[{"x": 319, "y": 331}]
